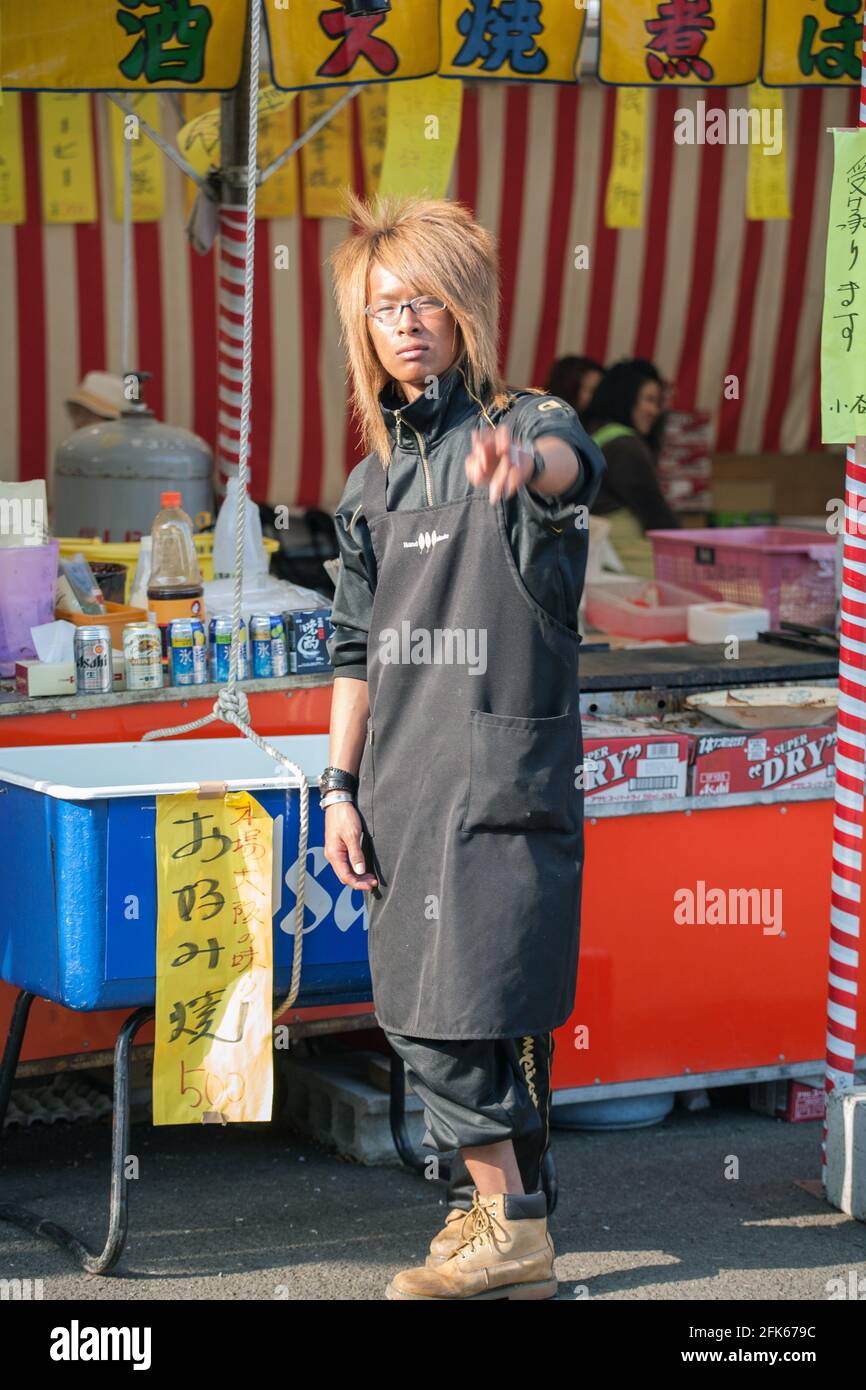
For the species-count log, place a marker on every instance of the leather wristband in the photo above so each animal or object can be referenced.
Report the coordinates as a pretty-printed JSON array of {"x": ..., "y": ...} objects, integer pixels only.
[{"x": 337, "y": 779}]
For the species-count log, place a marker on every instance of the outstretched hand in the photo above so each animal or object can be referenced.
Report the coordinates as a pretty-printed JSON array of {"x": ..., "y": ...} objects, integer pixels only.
[{"x": 496, "y": 460}]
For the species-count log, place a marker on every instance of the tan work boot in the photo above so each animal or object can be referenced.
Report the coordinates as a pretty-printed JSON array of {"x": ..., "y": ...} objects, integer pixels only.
[
  {"x": 451, "y": 1236},
  {"x": 507, "y": 1253}
]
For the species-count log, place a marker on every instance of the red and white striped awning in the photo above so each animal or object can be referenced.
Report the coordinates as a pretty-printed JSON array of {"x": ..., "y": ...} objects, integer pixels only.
[{"x": 698, "y": 288}]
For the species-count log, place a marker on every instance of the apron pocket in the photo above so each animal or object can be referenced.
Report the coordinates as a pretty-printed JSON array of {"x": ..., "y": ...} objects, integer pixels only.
[
  {"x": 366, "y": 781},
  {"x": 522, "y": 772}
]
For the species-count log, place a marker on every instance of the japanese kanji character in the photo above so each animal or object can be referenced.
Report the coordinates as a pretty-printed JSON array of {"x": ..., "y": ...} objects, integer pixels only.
[
  {"x": 187, "y": 896},
  {"x": 207, "y": 1005},
  {"x": 500, "y": 33},
  {"x": 178, "y": 23},
  {"x": 680, "y": 30}
]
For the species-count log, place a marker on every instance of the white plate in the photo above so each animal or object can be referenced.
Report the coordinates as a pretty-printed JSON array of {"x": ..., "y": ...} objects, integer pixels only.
[{"x": 768, "y": 707}]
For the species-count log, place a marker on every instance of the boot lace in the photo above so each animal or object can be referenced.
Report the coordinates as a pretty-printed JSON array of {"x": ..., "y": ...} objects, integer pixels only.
[{"x": 480, "y": 1225}]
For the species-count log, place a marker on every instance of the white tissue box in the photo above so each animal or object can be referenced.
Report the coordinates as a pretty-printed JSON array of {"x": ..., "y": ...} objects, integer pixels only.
[{"x": 34, "y": 678}]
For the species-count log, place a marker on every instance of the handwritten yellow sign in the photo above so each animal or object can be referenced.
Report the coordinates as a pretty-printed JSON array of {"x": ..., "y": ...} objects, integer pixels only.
[
  {"x": 326, "y": 157},
  {"x": 213, "y": 1049},
  {"x": 624, "y": 198},
  {"x": 540, "y": 44},
  {"x": 812, "y": 42},
  {"x": 768, "y": 159},
  {"x": 679, "y": 43},
  {"x": 373, "y": 108},
  {"x": 13, "y": 208},
  {"x": 148, "y": 189},
  {"x": 66, "y": 157},
  {"x": 423, "y": 130},
  {"x": 320, "y": 45},
  {"x": 116, "y": 45}
]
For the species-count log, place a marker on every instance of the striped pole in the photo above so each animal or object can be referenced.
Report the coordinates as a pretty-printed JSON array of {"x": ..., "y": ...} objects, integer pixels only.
[
  {"x": 234, "y": 247},
  {"x": 847, "y": 875}
]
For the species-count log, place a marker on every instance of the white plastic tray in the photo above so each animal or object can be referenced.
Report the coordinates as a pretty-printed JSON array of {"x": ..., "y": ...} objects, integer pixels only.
[{"x": 93, "y": 771}]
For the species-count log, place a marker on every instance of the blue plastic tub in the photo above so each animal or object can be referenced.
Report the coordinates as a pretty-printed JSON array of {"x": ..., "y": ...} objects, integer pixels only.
[{"x": 78, "y": 905}]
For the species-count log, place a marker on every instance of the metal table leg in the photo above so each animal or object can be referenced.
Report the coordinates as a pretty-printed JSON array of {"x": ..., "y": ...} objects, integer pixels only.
[{"x": 88, "y": 1259}]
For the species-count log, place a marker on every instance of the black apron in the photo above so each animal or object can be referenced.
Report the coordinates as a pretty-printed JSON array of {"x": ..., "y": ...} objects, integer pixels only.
[{"x": 468, "y": 785}]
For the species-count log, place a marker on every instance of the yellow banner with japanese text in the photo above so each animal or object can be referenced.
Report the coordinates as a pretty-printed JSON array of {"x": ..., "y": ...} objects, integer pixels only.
[
  {"x": 423, "y": 130},
  {"x": 148, "y": 188},
  {"x": 679, "y": 43},
  {"x": 768, "y": 160},
  {"x": 13, "y": 204},
  {"x": 373, "y": 109},
  {"x": 812, "y": 42},
  {"x": 326, "y": 158},
  {"x": 117, "y": 45},
  {"x": 517, "y": 43},
  {"x": 66, "y": 162},
  {"x": 213, "y": 1035},
  {"x": 624, "y": 197},
  {"x": 319, "y": 44}
]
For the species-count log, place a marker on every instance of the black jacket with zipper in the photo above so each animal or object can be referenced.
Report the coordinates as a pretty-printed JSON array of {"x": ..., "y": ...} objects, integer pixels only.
[{"x": 431, "y": 439}]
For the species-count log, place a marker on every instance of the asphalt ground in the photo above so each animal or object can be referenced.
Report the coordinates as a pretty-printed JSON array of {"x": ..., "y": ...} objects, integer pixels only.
[{"x": 257, "y": 1212}]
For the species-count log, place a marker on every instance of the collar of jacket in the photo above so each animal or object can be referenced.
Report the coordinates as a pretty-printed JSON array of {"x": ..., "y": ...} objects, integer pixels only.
[{"x": 431, "y": 417}]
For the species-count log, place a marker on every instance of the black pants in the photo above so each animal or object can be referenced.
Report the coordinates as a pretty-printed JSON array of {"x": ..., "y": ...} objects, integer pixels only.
[{"x": 482, "y": 1091}]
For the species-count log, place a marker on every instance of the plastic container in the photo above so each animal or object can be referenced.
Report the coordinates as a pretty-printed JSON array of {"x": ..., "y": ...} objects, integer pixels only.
[
  {"x": 620, "y": 1112},
  {"x": 115, "y": 617},
  {"x": 28, "y": 581},
  {"x": 617, "y": 607},
  {"x": 77, "y": 822},
  {"x": 174, "y": 589},
  {"x": 791, "y": 573},
  {"x": 225, "y": 536},
  {"x": 111, "y": 578},
  {"x": 716, "y": 622}
]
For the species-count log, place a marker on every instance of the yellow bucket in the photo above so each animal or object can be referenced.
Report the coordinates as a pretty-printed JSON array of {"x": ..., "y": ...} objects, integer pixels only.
[{"x": 126, "y": 553}]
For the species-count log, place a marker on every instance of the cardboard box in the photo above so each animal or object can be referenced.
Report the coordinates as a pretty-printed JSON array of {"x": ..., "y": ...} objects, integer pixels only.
[
  {"x": 633, "y": 760},
  {"x": 794, "y": 1101},
  {"x": 729, "y": 761}
]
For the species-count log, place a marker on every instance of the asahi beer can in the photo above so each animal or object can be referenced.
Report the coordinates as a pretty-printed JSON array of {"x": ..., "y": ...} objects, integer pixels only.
[
  {"x": 220, "y": 647},
  {"x": 93, "y": 667},
  {"x": 269, "y": 646},
  {"x": 187, "y": 651},
  {"x": 142, "y": 656}
]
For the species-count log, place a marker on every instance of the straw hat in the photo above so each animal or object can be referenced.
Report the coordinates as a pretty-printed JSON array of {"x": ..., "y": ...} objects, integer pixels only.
[{"x": 102, "y": 393}]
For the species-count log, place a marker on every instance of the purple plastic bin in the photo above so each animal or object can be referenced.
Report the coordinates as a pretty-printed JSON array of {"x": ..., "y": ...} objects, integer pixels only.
[
  {"x": 28, "y": 580},
  {"x": 792, "y": 573}
]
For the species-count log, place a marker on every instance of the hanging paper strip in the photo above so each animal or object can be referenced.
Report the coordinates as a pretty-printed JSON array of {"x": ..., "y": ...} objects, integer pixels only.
[
  {"x": 318, "y": 44},
  {"x": 679, "y": 43},
  {"x": 66, "y": 157},
  {"x": 768, "y": 160},
  {"x": 812, "y": 42},
  {"x": 624, "y": 198},
  {"x": 843, "y": 333},
  {"x": 213, "y": 1041},
  {"x": 112, "y": 45},
  {"x": 278, "y": 196},
  {"x": 148, "y": 189},
  {"x": 373, "y": 110},
  {"x": 196, "y": 105},
  {"x": 326, "y": 157},
  {"x": 13, "y": 207},
  {"x": 517, "y": 42},
  {"x": 423, "y": 130}
]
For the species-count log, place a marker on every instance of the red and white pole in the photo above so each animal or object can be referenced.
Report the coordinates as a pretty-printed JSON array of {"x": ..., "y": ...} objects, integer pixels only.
[
  {"x": 234, "y": 247},
  {"x": 846, "y": 894}
]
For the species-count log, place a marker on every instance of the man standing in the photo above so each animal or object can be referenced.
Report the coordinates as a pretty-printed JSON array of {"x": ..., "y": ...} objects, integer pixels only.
[{"x": 455, "y": 720}]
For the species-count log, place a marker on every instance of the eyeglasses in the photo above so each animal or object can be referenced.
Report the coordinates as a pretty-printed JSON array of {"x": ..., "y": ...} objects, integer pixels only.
[{"x": 388, "y": 314}]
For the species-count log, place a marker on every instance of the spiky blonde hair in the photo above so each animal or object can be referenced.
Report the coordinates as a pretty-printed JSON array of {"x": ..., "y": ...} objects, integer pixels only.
[{"x": 438, "y": 247}]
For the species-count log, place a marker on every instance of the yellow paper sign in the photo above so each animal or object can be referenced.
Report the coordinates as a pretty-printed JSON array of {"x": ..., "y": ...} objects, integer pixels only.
[
  {"x": 13, "y": 208},
  {"x": 318, "y": 44},
  {"x": 679, "y": 43},
  {"x": 768, "y": 160},
  {"x": 278, "y": 196},
  {"x": 423, "y": 130},
  {"x": 812, "y": 42},
  {"x": 326, "y": 157},
  {"x": 148, "y": 189},
  {"x": 66, "y": 157},
  {"x": 537, "y": 42},
  {"x": 373, "y": 110},
  {"x": 624, "y": 199},
  {"x": 213, "y": 1039},
  {"x": 115, "y": 45}
]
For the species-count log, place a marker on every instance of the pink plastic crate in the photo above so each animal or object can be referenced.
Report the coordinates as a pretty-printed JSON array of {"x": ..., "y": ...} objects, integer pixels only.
[{"x": 792, "y": 573}]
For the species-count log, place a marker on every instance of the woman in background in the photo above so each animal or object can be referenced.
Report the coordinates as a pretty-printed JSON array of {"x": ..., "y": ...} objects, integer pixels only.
[
  {"x": 575, "y": 379},
  {"x": 622, "y": 419}
]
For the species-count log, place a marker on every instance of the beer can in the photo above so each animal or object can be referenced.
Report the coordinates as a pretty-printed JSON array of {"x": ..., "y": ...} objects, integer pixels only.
[
  {"x": 91, "y": 648},
  {"x": 142, "y": 656},
  {"x": 270, "y": 653},
  {"x": 220, "y": 645},
  {"x": 187, "y": 652}
]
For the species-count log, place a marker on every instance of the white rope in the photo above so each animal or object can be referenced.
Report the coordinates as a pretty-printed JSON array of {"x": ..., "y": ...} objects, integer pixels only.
[
  {"x": 231, "y": 705},
  {"x": 126, "y": 260}
]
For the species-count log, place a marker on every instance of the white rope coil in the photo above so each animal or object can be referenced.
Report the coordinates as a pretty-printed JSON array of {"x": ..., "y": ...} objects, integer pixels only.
[{"x": 231, "y": 705}]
